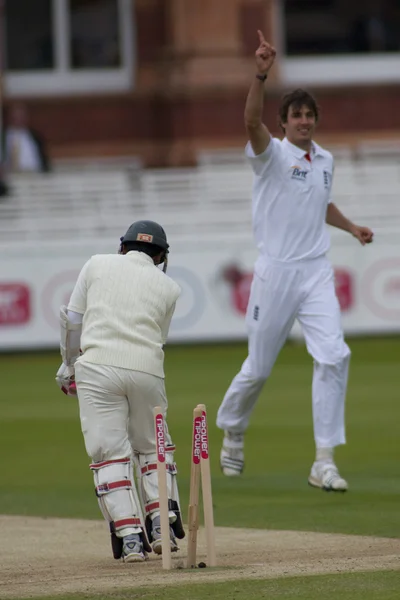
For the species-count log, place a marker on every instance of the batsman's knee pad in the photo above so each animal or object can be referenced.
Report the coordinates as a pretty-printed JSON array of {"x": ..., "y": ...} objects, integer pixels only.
[
  {"x": 118, "y": 500},
  {"x": 147, "y": 467}
]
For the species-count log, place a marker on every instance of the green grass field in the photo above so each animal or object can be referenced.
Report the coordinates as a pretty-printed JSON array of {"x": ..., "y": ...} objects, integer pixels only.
[
  {"x": 46, "y": 468},
  {"x": 351, "y": 586}
]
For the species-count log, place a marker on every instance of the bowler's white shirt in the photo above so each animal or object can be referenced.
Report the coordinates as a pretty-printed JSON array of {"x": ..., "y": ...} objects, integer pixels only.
[
  {"x": 127, "y": 305},
  {"x": 290, "y": 199}
]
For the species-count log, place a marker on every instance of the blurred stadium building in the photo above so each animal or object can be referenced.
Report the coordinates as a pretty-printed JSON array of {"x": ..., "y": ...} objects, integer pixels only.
[
  {"x": 141, "y": 103},
  {"x": 163, "y": 79}
]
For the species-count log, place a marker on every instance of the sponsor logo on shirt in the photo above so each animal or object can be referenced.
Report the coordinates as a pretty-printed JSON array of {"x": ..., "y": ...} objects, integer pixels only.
[{"x": 298, "y": 173}]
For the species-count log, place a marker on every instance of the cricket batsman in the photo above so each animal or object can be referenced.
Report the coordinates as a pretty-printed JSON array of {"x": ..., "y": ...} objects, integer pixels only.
[{"x": 112, "y": 337}]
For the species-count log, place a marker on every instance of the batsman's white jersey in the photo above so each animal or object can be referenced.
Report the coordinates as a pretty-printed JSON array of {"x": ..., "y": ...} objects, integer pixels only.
[
  {"x": 127, "y": 305},
  {"x": 292, "y": 279}
]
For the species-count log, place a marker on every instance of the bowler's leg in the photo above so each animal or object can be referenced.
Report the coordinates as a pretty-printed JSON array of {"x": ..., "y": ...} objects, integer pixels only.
[
  {"x": 269, "y": 319},
  {"x": 320, "y": 318}
]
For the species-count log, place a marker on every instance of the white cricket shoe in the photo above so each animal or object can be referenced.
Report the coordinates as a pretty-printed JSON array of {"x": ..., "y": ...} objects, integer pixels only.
[
  {"x": 325, "y": 475},
  {"x": 232, "y": 454},
  {"x": 132, "y": 549},
  {"x": 156, "y": 543}
]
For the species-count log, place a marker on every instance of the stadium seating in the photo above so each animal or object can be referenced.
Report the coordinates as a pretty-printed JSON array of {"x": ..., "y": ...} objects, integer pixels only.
[{"x": 214, "y": 198}]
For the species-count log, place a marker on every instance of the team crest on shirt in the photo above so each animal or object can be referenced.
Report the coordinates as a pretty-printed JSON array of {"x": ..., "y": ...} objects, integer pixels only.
[{"x": 298, "y": 173}]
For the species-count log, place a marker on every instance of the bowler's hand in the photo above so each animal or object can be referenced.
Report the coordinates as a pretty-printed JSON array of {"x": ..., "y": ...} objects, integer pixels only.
[
  {"x": 363, "y": 234},
  {"x": 265, "y": 55}
]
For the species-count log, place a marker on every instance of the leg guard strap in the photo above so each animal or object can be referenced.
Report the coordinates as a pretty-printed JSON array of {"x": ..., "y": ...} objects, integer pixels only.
[
  {"x": 105, "y": 488},
  {"x": 171, "y": 468}
]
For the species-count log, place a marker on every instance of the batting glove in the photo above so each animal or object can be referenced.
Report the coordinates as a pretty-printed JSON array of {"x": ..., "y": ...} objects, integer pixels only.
[{"x": 65, "y": 379}]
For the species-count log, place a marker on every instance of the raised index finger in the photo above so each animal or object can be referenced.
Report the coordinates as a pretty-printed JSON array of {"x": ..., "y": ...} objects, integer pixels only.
[{"x": 261, "y": 36}]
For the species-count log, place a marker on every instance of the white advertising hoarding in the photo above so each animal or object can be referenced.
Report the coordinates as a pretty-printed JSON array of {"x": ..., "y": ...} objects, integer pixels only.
[{"x": 215, "y": 284}]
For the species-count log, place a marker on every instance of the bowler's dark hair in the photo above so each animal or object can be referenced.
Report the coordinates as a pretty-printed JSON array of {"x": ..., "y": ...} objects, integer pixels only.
[
  {"x": 297, "y": 99},
  {"x": 149, "y": 249}
]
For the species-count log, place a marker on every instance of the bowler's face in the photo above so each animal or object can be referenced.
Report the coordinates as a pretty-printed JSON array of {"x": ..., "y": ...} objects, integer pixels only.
[{"x": 300, "y": 125}]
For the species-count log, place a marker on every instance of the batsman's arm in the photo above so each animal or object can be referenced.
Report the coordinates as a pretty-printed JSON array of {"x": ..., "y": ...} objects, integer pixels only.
[
  {"x": 77, "y": 301},
  {"x": 70, "y": 343},
  {"x": 71, "y": 319},
  {"x": 167, "y": 323},
  {"x": 76, "y": 309},
  {"x": 174, "y": 294}
]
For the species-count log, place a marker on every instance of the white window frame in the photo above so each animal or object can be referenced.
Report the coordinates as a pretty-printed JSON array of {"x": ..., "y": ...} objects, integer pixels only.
[
  {"x": 64, "y": 80},
  {"x": 333, "y": 69},
  {"x": 341, "y": 69}
]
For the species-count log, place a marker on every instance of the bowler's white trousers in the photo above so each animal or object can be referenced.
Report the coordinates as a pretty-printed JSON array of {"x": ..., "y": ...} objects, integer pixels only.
[{"x": 280, "y": 293}]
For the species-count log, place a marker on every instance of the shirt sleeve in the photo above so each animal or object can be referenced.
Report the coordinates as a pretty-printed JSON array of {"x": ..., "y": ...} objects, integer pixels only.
[
  {"x": 77, "y": 302},
  {"x": 176, "y": 292},
  {"x": 261, "y": 163},
  {"x": 166, "y": 324},
  {"x": 75, "y": 318}
]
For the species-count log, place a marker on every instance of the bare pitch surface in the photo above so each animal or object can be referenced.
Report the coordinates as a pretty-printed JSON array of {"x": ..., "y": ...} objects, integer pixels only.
[{"x": 40, "y": 556}]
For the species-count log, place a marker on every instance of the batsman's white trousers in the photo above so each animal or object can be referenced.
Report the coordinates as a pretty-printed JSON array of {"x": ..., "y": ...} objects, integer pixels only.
[
  {"x": 116, "y": 410},
  {"x": 281, "y": 293}
]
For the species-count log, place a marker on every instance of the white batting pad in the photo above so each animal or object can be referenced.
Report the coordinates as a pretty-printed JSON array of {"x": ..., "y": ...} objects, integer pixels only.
[{"x": 116, "y": 493}]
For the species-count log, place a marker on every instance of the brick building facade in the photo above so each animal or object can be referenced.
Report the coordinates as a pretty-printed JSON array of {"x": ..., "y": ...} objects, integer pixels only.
[{"x": 193, "y": 68}]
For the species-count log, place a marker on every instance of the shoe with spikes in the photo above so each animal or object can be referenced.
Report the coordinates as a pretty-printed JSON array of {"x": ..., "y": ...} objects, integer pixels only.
[{"x": 325, "y": 475}]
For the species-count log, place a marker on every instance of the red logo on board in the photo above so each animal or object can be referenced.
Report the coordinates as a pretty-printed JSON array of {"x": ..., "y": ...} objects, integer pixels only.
[
  {"x": 15, "y": 304},
  {"x": 344, "y": 289},
  {"x": 240, "y": 282}
]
